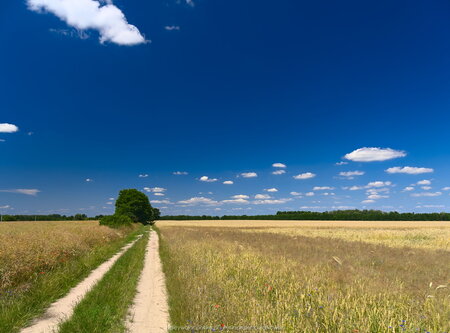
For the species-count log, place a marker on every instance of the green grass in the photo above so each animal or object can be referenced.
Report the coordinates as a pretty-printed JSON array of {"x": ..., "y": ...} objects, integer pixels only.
[
  {"x": 104, "y": 308},
  {"x": 17, "y": 310}
]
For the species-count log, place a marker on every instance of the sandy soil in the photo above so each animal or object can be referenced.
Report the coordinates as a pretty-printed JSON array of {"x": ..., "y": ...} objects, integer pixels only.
[
  {"x": 62, "y": 309},
  {"x": 313, "y": 224},
  {"x": 149, "y": 312}
]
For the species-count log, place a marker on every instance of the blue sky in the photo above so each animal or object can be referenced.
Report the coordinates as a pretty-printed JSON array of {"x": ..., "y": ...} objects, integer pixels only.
[{"x": 109, "y": 91}]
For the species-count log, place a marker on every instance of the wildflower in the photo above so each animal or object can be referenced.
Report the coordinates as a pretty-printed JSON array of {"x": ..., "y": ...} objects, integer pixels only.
[{"x": 217, "y": 306}]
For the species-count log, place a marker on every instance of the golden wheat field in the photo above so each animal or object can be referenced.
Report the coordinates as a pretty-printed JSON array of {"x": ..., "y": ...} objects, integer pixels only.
[
  {"x": 29, "y": 249},
  {"x": 308, "y": 276}
]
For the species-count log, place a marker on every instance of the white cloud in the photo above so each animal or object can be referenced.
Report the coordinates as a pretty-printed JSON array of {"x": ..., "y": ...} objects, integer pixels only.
[
  {"x": 424, "y": 182},
  {"x": 311, "y": 207},
  {"x": 107, "y": 19},
  {"x": 89, "y": 180},
  {"x": 110, "y": 203},
  {"x": 166, "y": 202},
  {"x": 155, "y": 189},
  {"x": 409, "y": 170},
  {"x": 240, "y": 196},
  {"x": 228, "y": 182},
  {"x": 2, "y": 140},
  {"x": 5, "y": 207},
  {"x": 273, "y": 189},
  {"x": 371, "y": 154},
  {"x": 426, "y": 188},
  {"x": 249, "y": 174},
  {"x": 190, "y": 3},
  {"x": 378, "y": 184},
  {"x": 446, "y": 188},
  {"x": 236, "y": 201},
  {"x": 8, "y": 128},
  {"x": 328, "y": 193},
  {"x": 322, "y": 188},
  {"x": 408, "y": 188},
  {"x": 306, "y": 175},
  {"x": 111, "y": 199},
  {"x": 295, "y": 193},
  {"x": 143, "y": 175},
  {"x": 279, "y": 165},
  {"x": 198, "y": 200},
  {"x": 22, "y": 191},
  {"x": 278, "y": 172},
  {"x": 262, "y": 196},
  {"x": 207, "y": 179},
  {"x": 180, "y": 173},
  {"x": 431, "y": 206},
  {"x": 351, "y": 174},
  {"x": 309, "y": 194},
  {"x": 341, "y": 163},
  {"x": 368, "y": 201},
  {"x": 172, "y": 27},
  {"x": 426, "y": 194},
  {"x": 271, "y": 201},
  {"x": 376, "y": 196},
  {"x": 159, "y": 194}
]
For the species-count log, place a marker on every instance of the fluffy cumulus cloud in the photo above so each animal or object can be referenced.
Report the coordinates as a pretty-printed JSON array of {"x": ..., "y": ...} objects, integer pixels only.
[
  {"x": 278, "y": 172},
  {"x": 88, "y": 180},
  {"x": 271, "y": 201},
  {"x": 143, "y": 175},
  {"x": 22, "y": 191},
  {"x": 159, "y": 202},
  {"x": 378, "y": 184},
  {"x": 296, "y": 194},
  {"x": 351, "y": 174},
  {"x": 273, "y": 189},
  {"x": 8, "y": 128},
  {"x": 198, "y": 201},
  {"x": 409, "y": 170},
  {"x": 207, "y": 179},
  {"x": 279, "y": 165},
  {"x": 424, "y": 182},
  {"x": 262, "y": 196},
  {"x": 306, "y": 175},
  {"x": 154, "y": 189},
  {"x": 236, "y": 201},
  {"x": 228, "y": 182},
  {"x": 322, "y": 188},
  {"x": 408, "y": 188},
  {"x": 104, "y": 17},
  {"x": 426, "y": 194},
  {"x": 240, "y": 196},
  {"x": 372, "y": 154},
  {"x": 249, "y": 174}
]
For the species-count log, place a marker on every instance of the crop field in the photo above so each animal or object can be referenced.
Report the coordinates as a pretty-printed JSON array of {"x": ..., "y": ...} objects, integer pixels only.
[
  {"x": 308, "y": 276},
  {"x": 41, "y": 261}
]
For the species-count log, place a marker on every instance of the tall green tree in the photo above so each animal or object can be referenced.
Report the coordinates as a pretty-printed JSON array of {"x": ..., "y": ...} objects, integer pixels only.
[{"x": 134, "y": 204}]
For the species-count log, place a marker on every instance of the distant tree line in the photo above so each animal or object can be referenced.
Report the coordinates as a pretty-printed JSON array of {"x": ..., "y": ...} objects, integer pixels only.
[
  {"x": 336, "y": 215},
  {"x": 50, "y": 217}
]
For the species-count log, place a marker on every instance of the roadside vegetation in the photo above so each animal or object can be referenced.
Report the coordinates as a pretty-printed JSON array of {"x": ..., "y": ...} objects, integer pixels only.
[
  {"x": 224, "y": 277},
  {"x": 40, "y": 262},
  {"x": 104, "y": 308}
]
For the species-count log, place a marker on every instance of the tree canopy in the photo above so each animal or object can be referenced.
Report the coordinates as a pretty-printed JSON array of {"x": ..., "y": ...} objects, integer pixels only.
[{"x": 134, "y": 204}]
